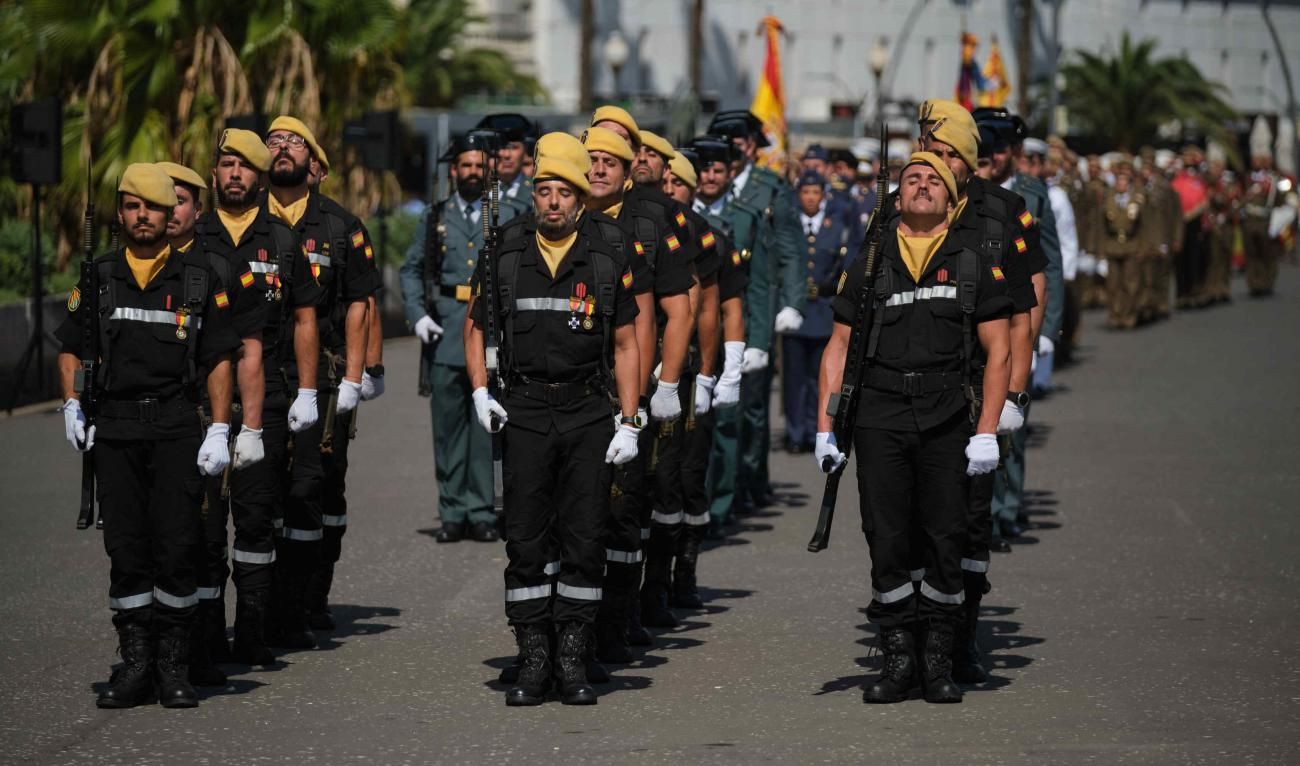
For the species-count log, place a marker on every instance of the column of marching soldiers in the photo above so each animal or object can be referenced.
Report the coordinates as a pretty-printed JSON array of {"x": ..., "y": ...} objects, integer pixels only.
[{"x": 629, "y": 278}]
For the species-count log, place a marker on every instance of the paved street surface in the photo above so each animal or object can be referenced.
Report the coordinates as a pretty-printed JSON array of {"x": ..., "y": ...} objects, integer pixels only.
[{"x": 1149, "y": 616}]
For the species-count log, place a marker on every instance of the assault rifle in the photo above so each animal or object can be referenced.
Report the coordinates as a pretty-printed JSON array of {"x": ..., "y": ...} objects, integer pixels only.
[
  {"x": 84, "y": 381},
  {"x": 843, "y": 406},
  {"x": 489, "y": 142}
]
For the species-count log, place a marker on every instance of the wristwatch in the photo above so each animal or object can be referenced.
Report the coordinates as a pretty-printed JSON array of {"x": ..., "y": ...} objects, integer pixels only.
[
  {"x": 633, "y": 421},
  {"x": 375, "y": 372},
  {"x": 1018, "y": 398}
]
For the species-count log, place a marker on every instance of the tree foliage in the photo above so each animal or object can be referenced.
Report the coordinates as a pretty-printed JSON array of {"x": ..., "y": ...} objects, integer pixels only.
[{"x": 1127, "y": 97}]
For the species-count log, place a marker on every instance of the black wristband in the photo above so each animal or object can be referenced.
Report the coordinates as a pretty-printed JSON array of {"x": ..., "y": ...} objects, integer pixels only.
[{"x": 375, "y": 372}]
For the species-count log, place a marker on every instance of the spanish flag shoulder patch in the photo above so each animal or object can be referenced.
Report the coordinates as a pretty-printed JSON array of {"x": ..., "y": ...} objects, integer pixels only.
[
  {"x": 735, "y": 257},
  {"x": 627, "y": 280},
  {"x": 1026, "y": 220},
  {"x": 673, "y": 244},
  {"x": 1020, "y": 245},
  {"x": 708, "y": 240},
  {"x": 997, "y": 273},
  {"x": 680, "y": 218},
  {"x": 221, "y": 299},
  {"x": 358, "y": 239},
  {"x": 246, "y": 279},
  {"x": 370, "y": 253},
  {"x": 639, "y": 249}
]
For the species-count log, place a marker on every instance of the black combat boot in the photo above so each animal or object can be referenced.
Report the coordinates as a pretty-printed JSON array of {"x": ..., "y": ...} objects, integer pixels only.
[
  {"x": 294, "y": 578},
  {"x": 654, "y": 593},
  {"x": 250, "y": 646},
  {"x": 685, "y": 593},
  {"x": 319, "y": 616},
  {"x": 898, "y": 674},
  {"x": 533, "y": 680},
  {"x": 967, "y": 659},
  {"x": 172, "y": 670},
  {"x": 131, "y": 684},
  {"x": 212, "y": 621},
  {"x": 611, "y": 620},
  {"x": 936, "y": 664},
  {"x": 203, "y": 671},
  {"x": 570, "y": 668},
  {"x": 637, "y": 635}
]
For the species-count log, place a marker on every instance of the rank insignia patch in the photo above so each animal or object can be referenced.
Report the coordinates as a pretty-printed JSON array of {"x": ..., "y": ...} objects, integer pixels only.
[{"x": 844, "y": 277}]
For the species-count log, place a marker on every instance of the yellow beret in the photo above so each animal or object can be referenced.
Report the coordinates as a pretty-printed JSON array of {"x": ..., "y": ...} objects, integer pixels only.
[
  {"x": 606, "y": 140},
  {"x": 619, "y": 115},
  {"x": 550, "y": 168},
  {"x": 148, "y": 182},
  {"x": 565, "y": 147},
  {"x": 683, "y": 169},
  {"x": 931, "y": 159},
  {"x": 658, "y": 144},
  {"x": 324, "y": 161},
  {"x": 246, "y": 144},
  {"x": 182, "y": 175},
  {"x": 954, "y": 126},
  {"x": 295, "y": 125}
]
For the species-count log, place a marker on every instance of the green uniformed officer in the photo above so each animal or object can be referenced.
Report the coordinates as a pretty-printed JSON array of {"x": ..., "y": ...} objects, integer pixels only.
[
  {"x": 435, "y": 291},
  {"x": 514, "y": 131}
]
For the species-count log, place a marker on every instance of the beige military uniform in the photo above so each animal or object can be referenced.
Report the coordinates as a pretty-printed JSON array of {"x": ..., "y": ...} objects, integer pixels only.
[
  {"x": 1122, "y": 239},
  {"x": 1093, "y": 292},
  {"x": 1262, "y": 251}
]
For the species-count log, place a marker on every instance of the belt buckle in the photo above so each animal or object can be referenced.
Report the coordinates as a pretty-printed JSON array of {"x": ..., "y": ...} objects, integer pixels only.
[
  {"x": 148, "y": 410},
  {"x": 463, "y": 293},
  {"x": 913, "y": 385}
]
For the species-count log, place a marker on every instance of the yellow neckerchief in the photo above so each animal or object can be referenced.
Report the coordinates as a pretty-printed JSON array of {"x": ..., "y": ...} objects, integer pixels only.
[
  {"x": 554, "y": 250},
  {"x": 613, "y": 210},
  {"x": 185, "y": 248},
  {"x": 145, "y": 269},
  {"x": 237, "y": 223},
  {"x": 627, "y": 184},
  {"x": 957, "y": 211},
  {"x": 290, "y": 213},
  {"x": 916, "y": 251}
]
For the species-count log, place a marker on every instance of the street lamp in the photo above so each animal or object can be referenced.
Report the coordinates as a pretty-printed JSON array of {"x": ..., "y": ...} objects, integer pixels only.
[
  {"x": 616, "y": 52},
  {"x": 878, "y": 60}
]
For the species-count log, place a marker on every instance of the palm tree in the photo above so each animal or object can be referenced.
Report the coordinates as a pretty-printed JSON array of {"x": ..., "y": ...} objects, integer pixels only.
[{"x": 1126, "y": 98}]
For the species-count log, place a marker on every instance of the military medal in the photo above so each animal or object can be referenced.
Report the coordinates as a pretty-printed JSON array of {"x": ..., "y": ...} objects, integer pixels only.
[
  {"x": 576, "y": 304},
  {"x": 180, "y": 325},
  {"x": 590, "y": 307}
]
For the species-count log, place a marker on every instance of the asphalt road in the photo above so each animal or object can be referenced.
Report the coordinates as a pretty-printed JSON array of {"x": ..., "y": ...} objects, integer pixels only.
[{"x": 1149, "y": 616}]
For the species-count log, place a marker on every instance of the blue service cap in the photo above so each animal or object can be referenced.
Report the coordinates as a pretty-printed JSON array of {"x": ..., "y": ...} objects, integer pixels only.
[
  {"x": 810, "y": 178},
  {"x": 816, "y": 152}
]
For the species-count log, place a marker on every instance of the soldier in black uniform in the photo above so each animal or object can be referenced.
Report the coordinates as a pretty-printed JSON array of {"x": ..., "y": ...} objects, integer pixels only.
[
  {"x": 164, "y": 328},
  {"x": 566, "y": 311},
  {"x": 264, "y": 257},
  {"x": 342, "y": 261},
  {"x": 941, "y": 314}
]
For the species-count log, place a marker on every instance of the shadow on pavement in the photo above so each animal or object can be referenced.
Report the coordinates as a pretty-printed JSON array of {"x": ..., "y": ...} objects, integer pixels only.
[{"x": 351, "y": 620}]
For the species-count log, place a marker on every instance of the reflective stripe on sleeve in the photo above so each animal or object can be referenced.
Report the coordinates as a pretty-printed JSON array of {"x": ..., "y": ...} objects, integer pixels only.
[
  {"x": 696, "y": 519},
  {"x": 527, "y": 594},
  {"x": 897, "y": 594},
  {"x": 257, "y": 267},
  {"x": 174, "y": 601},
  {"x": 152, "y": 316},
  {"x": 942, "y": 598},
  {"x": 131, "y": 602},
  {"x": 971, "y": 565},
  {"x": 623, "y": 557},
  {"x": 318, "y": 259},
  {"x": 209, "y": 594},
  {"x": 249, "y": 557},
  {"x": 578, "y": 593},
  {"x": 340, "y": 520},
  {"x": 666, "y": 518},
  {"x": 302, "y": 535}
]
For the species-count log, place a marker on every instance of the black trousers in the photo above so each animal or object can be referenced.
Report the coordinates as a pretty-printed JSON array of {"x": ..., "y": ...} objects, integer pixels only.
[
  {"x": 697, "y": 441},
  {"x": 910, "y": 482},
  {"x": 150, "y": 492},
  {"x": 557, "y": 494},
  {"x": 255, "y": 502},
  {"x": 301, "y": 534},
  {"x": 334, "y": 485}
]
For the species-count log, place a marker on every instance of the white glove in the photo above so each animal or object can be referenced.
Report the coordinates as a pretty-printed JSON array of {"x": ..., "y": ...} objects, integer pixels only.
[
  {"x": 214, "y": 455},
  {"x": 248, "y": 448},
  {"x": 727, "y": 394},
  {"x": 428, "y": 330},
  {"x": 74, "y": 426},
  {"x": 982, "y": 452},
  {"x": 788, "y": 319},
  {"x": 1012, "y": 417},
  {"x": 622, "y": 448},
  {"x": 1045, "y": 345},
  {"x": 755, "y": 360},
  {"x": 1033, "y": 362},
  {"x": 302, "y": 413},
  {"x": 485, "y": 407},
  {"x": 665, "y": 405},
  {"x": 826, "y": 449},
  {"x": 704, "y": 393},
  {"x": 371, "y": 387},
  {"x": 349, "y": 395}
]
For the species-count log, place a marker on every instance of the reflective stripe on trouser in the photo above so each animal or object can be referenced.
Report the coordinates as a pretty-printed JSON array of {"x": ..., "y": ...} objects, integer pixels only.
[
  {"x": 755, "y": 430},
  {"x": 255, "y": 501},
  {"x": 304, "y": 505},
  {"x": 911, "y": 482},
  {"x": 695, "y": 468},
  {"x": 557, "y": 503},
  {"x": 334, "y": 501},
  {"x": 664, "y": 472},
  {"x": 462, "y": 450},
  {"x": 150, "y": 497}
]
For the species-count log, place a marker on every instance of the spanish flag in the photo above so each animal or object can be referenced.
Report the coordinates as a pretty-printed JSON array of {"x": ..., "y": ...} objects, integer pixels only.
[
  {"x": 969, "y": 79},
  {"x": 997, "y": 88},
  {"x": 769, "y": 101}
]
